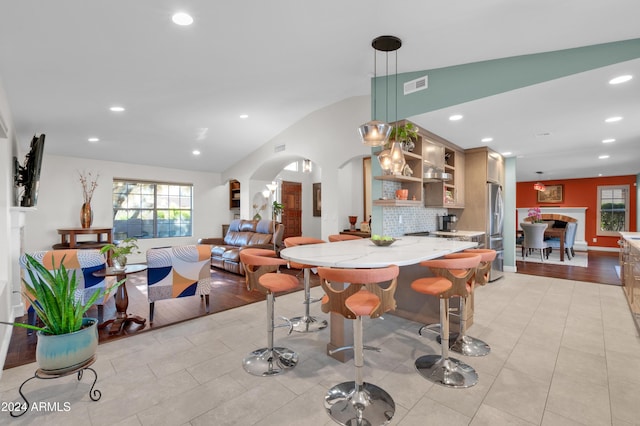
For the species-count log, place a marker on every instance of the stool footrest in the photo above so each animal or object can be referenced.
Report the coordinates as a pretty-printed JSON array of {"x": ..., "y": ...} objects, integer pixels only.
[
  {"x": 340, "y": 349},
  {"x": 287, "y": 323}
]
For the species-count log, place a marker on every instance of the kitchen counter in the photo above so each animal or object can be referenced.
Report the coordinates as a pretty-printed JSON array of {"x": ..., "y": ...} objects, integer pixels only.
[
  {"x": 629, "y": 270},
  {"x": 466, "y": 234}
]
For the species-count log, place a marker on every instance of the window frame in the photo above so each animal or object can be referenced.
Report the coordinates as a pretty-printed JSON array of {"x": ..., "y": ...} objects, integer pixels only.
[
  {"x": 627, "y": 198},
  {"x": 155, "y": 209}
]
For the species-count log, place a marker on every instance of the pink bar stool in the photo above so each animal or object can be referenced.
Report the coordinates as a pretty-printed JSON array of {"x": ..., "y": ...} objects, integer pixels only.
[
  {"x": 342, "y": 237},
  {"x": 261, "y": 267},
  {"x": 357, "y": 402},
  {"x": 450, "y": 280},
  {"x": 463, "y": 344},
  {"x": 305, "y": 323}
]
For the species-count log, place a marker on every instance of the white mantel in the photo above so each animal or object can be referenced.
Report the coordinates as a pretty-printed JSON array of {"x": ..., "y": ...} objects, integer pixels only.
[
  {"x": 18, "y": 215},
  {"x": 578, "y": 213}
]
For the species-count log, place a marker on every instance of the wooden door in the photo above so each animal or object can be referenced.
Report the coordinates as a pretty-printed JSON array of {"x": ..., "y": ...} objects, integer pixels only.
[{"x": 292, "y": 215}]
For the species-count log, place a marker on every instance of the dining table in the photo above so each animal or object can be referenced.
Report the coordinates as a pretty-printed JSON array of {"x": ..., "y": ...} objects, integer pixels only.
[
  {"x": 551, "y": 233},
  {"x": 407, "y": 252}
]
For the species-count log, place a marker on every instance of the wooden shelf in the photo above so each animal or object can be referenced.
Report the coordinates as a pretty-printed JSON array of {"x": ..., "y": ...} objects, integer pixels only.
[
  {"x": 395, "y": 178},
  {"x": 234, "y": 194},
  {"x": 397, "y": 203}
]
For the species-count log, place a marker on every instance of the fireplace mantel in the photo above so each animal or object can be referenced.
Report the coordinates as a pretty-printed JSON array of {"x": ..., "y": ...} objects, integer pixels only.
[{"x": 578, "y": 213}]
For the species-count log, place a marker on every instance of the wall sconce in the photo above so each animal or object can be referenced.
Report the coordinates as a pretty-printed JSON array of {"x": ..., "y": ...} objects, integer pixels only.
[{"x": 306, "y": 166}]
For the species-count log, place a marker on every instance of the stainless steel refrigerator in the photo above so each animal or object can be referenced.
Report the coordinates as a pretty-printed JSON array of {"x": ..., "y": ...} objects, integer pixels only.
[{"x": 495, "y": 219}]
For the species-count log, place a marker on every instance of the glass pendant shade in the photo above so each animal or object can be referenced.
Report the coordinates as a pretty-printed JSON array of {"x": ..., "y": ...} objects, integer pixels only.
[
  {"x": 306, "y": 166},
  {"x": 397, "y": 159},
  {"x": 384, "y": 158},
  {"x": 374, "y": 133},
  {"x": 539, "y": 186}
]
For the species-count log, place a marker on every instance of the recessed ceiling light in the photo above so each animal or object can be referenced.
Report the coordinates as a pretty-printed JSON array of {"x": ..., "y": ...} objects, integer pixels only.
[
  {"x": 620, "y": 79},
  {"x": 507, "y": 153},
  {"x": 599, "y": 174},
  {"x": 116, "y": 108},
  {"x": 603, "y": 157},
  {"x": 455, "y": 117},
  {"x": 195, "y": 152},
  {"x": 244, "y": 115},
  {"x": 608, "y": 140},
  {"x": 93, "y": 139},
  {"x": 486, "y": 140},
  {"x": 613, "y": 119},
  {"x": 182, "y": 18}
]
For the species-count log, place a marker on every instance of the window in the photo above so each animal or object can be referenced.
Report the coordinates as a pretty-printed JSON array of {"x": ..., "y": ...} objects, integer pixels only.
[
  {"x": 613, "y": 212},
  {"x": 151, "y": 209}
]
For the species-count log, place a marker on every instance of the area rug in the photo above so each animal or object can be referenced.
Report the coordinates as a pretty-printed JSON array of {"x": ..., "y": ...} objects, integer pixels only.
[{"x": 580, "y": 259}]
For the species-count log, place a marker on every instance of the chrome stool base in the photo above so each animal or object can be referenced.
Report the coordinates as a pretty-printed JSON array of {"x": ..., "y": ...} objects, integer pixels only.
[
  {"x": 348, "y": 406},
  {"x": 308, "y": 324},
  {"x": 270, "y": 362},
  {"x": 470, "y": 346},
  {"x": 446, "y": 372}
]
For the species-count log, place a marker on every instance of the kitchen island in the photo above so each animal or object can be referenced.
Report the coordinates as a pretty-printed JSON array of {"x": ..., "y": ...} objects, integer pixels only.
[
  {"x": 406, "y": 252},
  {"x": 630, "y": 271}
]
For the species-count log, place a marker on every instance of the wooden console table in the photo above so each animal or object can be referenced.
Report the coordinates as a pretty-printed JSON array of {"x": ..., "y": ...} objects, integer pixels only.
[{"x": 68, "y": 238}]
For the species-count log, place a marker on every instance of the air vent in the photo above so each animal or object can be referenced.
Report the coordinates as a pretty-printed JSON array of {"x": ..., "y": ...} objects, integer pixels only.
[
  {"x": 279, "y": 148},
  {"x": 416, "y": 85}
]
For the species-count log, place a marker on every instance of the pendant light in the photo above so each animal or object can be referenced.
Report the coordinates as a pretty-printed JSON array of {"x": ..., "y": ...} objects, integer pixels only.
[
  {"x": 306, "y": 166},
  {"x": 539, "y": 186},
  {"x": 375, "y": 132}
]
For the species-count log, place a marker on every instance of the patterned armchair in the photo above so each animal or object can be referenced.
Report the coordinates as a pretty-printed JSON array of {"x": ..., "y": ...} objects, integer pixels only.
[
  {"x": 178, "y": 271},
  {"x": 84, "y": 262}
]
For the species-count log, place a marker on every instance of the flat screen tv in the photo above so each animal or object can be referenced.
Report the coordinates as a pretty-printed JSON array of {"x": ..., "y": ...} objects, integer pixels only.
[{"x": 28, "y": 175}]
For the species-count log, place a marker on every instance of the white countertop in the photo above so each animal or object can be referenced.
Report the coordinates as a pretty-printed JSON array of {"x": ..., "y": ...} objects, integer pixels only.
[
  {"x": 363, "y": 253},
  {"x": 632, "y": 237},
  {"x": 459, "y": 233}
]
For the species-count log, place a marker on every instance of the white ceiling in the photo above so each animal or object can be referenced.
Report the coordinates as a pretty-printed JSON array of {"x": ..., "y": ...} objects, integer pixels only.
[{"x": 64, "y": 63}]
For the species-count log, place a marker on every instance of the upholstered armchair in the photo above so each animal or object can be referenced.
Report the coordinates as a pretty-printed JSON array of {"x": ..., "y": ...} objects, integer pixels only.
[
  {"x": 83, "y": 262},
  {"x": 178, "y": 271}
]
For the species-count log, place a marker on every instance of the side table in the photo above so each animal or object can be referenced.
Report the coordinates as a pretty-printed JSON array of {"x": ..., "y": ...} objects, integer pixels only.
[{"x": 122, "y": 319}]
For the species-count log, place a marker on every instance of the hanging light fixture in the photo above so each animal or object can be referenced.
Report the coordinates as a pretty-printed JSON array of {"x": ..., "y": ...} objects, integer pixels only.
[
  {"x": 539, "y": 186},
  {"x": 375, "y": 132},
  {"x": 306, "y": 166}
]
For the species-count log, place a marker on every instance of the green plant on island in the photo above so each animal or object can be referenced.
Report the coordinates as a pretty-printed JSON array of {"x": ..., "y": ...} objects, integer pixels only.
[{"x": 121, "y": 250}]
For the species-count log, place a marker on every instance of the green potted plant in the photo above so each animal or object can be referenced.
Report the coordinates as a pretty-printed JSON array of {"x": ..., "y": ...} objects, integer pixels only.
[
  {"x": 406, "y": 134},
  {"x": 120, "y": 251},
  {"x": 68, "y": 339}
]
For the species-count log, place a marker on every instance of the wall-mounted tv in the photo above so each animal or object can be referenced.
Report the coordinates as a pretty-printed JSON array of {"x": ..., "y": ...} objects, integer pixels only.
[{"x": 28, "y": 176}]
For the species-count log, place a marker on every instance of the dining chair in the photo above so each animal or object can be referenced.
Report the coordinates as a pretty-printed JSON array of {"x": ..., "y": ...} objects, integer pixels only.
[
  {"x": 569, "y": 240},
  {"x": 534, "y": 239}
]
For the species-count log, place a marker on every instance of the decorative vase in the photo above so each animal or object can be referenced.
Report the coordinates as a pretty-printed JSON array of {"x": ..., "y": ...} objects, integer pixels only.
[
  {"x": 66, "y": 352},
  {"x": 119, "y": 262},
  {"x": 86, "y": 215},
  {"x": 352, "y": 221}
]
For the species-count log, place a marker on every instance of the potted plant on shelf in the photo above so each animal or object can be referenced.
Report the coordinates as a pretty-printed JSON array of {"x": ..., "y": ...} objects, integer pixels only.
[
  {"x": 406, "y": 134},
  {"x": 68, "y": 340},
  {"x": 120, "y": 251}
]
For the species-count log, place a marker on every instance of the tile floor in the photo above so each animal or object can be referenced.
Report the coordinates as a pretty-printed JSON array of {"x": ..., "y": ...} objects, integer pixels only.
[{"x": 563, "y": 353}]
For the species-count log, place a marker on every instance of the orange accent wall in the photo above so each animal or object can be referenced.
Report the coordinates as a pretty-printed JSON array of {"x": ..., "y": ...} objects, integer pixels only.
[{"x": 582, "y": 193}]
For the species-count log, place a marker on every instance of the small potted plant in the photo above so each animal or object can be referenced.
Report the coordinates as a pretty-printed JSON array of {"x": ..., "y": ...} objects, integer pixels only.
[
  {"x": 53, "y": 296},
  {"x": 120, "y": 251},
  {"x": 406, "y": 134}
]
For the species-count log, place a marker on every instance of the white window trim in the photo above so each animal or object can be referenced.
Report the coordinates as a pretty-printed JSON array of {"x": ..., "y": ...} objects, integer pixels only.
[{"x": 600, "y": 232}]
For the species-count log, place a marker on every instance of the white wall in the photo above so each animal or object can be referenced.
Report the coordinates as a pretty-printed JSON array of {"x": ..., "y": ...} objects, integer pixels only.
[{"x": 60, "y": 199}]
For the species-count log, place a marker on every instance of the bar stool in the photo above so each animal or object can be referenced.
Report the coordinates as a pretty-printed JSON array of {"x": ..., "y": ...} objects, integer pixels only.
[
  {"x": 261, "y": 273},
  {"x": 467, "y": 345},
  {"x": 358, "y": 402},
  {"x": 342, "y": 237},
  {"x": 305, "y": 323},
  {"x": 450, "y": 280}
]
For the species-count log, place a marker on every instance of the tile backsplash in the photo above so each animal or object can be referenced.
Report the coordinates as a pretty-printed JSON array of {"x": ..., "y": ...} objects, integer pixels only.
[{"x": 398, "y": 221}]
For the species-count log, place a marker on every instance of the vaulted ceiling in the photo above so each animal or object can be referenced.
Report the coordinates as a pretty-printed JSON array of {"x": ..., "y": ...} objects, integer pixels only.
[{"x": 63, "y": 64}]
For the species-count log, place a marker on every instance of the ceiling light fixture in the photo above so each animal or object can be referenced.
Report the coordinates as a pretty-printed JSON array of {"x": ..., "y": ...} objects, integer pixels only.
[
  {"x": 93, "y": 140},
  {"x": 486, "y": 140},
  {"x": 455, "y": 117},
  {"x": 306, "y": 166},
  {"x": 182, "y": 19},
  {"x": 244, "y": 116},
  {"x": 610, "y": 140},
  {"x": 539, "y": 186},
  {"x": 195, "y": 152},
  {"x": 620, "y": 79},
  {"x": 375, "y": 132},
  {"x": 116, "y": 109},
  {"x": 603, "y": 157},
  {"x": 613, "y": 119}
]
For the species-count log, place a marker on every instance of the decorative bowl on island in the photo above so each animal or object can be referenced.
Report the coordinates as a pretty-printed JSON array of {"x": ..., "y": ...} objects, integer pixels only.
[{"x": 382, "y": 241}]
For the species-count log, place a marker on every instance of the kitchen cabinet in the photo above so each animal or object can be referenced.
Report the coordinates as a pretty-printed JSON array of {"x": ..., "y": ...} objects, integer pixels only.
[
  {"x": 630, "y": 271},
  {"x": 234, "y": 194},
  {"x": 441, "y": 156}
]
